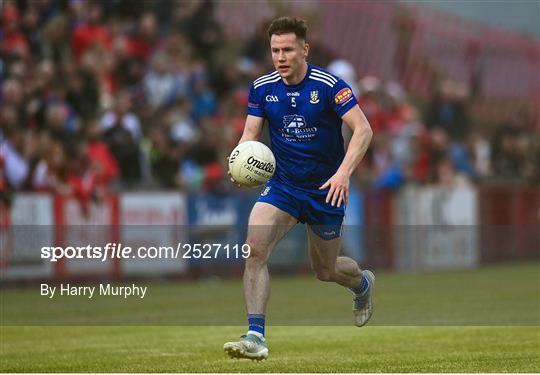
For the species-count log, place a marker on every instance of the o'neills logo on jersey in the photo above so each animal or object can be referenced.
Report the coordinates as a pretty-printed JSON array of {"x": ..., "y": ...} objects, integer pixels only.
[
  {"x": 265, "y": 166},
  {"x": 343, "y": 95}
]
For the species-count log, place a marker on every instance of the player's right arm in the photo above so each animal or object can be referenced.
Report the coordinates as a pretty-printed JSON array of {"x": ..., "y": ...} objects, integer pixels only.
[
  {"x": 254, "y": 120},
  {"x": 255, "y": 115},
  {"x": 252, "y": 129}
]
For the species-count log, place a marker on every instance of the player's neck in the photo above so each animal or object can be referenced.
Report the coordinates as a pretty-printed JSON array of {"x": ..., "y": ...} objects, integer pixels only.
[{"x": 299, "y": 76}]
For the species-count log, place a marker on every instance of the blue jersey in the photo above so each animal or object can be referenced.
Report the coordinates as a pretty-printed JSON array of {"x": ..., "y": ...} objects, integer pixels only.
[{"x": 305, "y": 124}]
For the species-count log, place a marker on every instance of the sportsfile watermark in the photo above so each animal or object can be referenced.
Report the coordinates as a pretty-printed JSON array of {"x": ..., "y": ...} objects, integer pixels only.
[
  {"x": 192, "y": 275},
  {"x": 114, "y": 250}
]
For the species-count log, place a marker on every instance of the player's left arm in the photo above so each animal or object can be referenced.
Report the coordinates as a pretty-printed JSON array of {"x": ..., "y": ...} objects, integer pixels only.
[{"x": 358, "y": 145}]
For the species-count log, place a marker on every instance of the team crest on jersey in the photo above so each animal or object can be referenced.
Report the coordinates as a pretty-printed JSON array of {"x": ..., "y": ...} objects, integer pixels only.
[
  {"x": 314, "y": 97},
  {"x": 343, "y": 95}
]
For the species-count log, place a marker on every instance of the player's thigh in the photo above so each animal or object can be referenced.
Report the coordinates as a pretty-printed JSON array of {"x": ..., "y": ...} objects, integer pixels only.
[
  {"x": 267, "y": 225},
  {"x": 323, "y": 253}
]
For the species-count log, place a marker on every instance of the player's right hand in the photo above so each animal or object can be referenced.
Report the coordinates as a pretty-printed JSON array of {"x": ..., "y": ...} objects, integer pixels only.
[{"x": 338, "y": 189}]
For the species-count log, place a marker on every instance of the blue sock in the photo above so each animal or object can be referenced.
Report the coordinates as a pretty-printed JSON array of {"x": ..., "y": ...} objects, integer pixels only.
[
  {"x": 256, "y": 324},
  {"x": 364, "y": 283}
]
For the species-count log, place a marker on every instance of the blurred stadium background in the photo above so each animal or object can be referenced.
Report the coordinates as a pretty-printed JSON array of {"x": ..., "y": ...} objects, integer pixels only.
[{"x": 116, "y": 117}]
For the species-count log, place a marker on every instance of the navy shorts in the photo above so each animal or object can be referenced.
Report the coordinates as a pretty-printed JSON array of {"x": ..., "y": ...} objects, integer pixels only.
[{"x": 307, "y": 206}]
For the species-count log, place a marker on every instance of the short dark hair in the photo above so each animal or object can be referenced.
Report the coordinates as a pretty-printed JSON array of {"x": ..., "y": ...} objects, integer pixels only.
[{"x": 285, "y": 25}]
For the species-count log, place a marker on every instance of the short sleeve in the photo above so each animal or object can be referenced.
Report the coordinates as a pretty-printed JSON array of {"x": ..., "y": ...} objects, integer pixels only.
[
  {"x": 255, "y": 104},
  {"x": 343, "y": 98}
]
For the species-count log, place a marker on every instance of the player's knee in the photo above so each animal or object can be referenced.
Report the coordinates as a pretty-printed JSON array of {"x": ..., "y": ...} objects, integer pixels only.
[
  {"x": 348, "y": 266},
  {"x": 257, "y": 253}
]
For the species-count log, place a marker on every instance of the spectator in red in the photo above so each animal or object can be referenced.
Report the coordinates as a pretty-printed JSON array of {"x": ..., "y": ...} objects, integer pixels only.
[
  {"x": 30, "y": 26},
  {"x": 394, "y": 108},
  {"x": 81, "y": 172},
  {"x": 233, "y": 118},
  {"x": 12, "y": 40},
  {"x": 370, "y": 102},
  {"x": 5, "y": 199},
  {"x": 420, "y": 167},
  {"x": 103, "y": 163},
  {"x": 142, "y": 44},
  {"x": 90, "y": 32},
  {"x": 132, "y": 49},
  {"x": 83, "y": 177},
  {"x": 52, "y": 172}
]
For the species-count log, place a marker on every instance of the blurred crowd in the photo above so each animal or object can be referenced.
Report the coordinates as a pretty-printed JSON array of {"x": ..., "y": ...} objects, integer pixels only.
[
  {"x": 108, "y": 95},
  {"x": 436, "y": 142}
]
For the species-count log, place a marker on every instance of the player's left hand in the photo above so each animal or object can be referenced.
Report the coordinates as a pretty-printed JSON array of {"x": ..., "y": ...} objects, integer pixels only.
[{"x": 339, "y": 189}]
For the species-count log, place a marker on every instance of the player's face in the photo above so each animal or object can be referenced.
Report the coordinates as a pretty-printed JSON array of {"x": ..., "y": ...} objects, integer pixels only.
[{"x": 288, "y": 54}]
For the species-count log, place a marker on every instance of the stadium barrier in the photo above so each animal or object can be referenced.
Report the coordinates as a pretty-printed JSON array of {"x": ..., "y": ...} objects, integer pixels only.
[
  {"x": 127, "y": 219},
  {"x": 77, "y": 223},
  {"x": 414, "y": 229},
  {"x": 510, "y": 217}
]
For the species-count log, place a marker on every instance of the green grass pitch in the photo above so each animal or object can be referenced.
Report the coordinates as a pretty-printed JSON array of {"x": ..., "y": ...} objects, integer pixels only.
[{"x": 484, "y": 320}]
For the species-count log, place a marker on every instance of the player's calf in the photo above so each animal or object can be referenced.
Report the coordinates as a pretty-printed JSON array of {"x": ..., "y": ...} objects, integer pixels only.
[{"x": 324, "y": 274}]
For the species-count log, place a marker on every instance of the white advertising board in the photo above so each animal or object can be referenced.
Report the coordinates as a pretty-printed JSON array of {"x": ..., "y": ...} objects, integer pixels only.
[
  {"x": 32, "y": 220},
  {"x": 153, "y": 220},
  {"x": 436, "y": 228}
]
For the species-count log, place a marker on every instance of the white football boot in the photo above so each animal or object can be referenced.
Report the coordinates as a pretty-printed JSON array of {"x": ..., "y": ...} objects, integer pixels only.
[
  {"x": 363, "y": 303},
  {"x": 250, "y": 347}
]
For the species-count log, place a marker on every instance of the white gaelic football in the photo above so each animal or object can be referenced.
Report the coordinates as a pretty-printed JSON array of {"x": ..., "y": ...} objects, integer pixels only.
[{"x": 252, "y": 163}]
